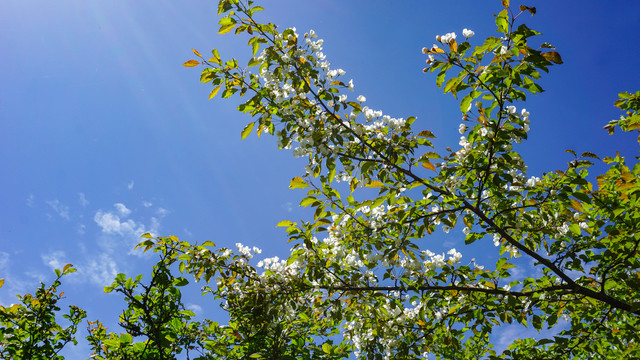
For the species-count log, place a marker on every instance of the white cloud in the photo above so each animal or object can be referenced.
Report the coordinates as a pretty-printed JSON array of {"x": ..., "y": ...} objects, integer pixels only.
[
  {"x": 81, "y": 229},
  {"x": 54, "y": 260},
  {"x": 130, "y": 184},
  {"x": 197, "y": 309},
  {"x": 122, "y": 210},
  {"x": 59, "y": 208},
  {"x": 147, "y": 204},
  {"x": 113, "y": 224},
  {"x": 83, "y": 200},
  {"x": 110, "y": 223}
]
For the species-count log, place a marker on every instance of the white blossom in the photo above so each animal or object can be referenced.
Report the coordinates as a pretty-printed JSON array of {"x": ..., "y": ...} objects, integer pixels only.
[
  {"x": 446, "y": 38},
  {"x": 467, "y": 33}
]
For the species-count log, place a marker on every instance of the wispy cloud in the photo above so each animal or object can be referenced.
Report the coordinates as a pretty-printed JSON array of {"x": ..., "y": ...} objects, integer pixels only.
[
  {"x": 131, "y": 184},
  {"x": 4, "y": 260},
  {"x": 31, "y": 200},
  {"x": 59, "y": 208},
  {"x": 147, "y": 204},
  {"x": 162, "y": 212},
  {"x": 288, "y": 206},
  {"x": 83, "y": 200},
  {"x": 15, "y": 284},
  {"x": 54, "y": 260},
  {"x": 100, "y": 271}
]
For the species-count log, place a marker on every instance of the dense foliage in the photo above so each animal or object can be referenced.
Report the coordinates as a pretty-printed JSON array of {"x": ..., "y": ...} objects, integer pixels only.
[{"x": 359, "y": 280}]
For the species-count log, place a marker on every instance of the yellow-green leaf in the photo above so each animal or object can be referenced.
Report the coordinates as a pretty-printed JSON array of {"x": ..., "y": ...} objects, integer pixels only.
[
  {"x": 505, "y": 3},
  {"x": 285, "y": 223},
  {"x": 226, "y": 28},
  {"x": 247, "y": 130},
  {"x": 308, "y": 201},
  {"x": 147, "y": 235},
  {"x": 1, "y": 282},
  {"x": 191, "y": 63},
  {"x": 374, "y": 183},
  {"x": 297, "y": 183},
  {"x": 196, "y": 52},
  {"x": 214, "y": 91}
]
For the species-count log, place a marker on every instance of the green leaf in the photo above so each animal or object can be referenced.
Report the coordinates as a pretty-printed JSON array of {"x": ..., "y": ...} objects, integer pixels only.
[
  {"x": 247, "y": 130},
  {"x": 327, "y": 348},
  {"x": 465, "y": 104},
  {"x": 180, "y": 281}
]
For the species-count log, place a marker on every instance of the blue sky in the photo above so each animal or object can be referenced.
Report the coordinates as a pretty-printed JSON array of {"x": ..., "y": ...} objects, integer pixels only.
[{"x": 105, "y": 136}]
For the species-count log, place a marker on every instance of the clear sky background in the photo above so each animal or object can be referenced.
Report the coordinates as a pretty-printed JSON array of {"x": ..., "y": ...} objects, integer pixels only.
[{"x": 105, "y": 136}]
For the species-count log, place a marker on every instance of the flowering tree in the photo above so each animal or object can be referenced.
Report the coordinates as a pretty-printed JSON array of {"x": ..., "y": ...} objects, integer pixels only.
[
  {"x": 358, "y": 280},
  {"x": 359, "y": 266}
]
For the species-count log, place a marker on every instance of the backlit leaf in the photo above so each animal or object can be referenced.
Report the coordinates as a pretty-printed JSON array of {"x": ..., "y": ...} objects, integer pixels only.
[
  {"x": 426, "y": 134},
  {"x": 297, "y": 183},
  {"x": 374, "y": 184},
  {"x": 214, "y": 91},
  {"x": 575, "y": 204},
  {"x": 428, "y": 165},
  {"x": 226, "y": 28},
  {"x": 247, "y": 130},
  {"x": 285, "y": 223},
  {"x": 191, "y": 63}
]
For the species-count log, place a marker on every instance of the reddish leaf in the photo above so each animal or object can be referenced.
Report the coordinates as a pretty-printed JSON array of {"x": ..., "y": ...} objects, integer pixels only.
[
  {"x": 191, "y": 63},
  {"x": 553, "y": 56}
]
